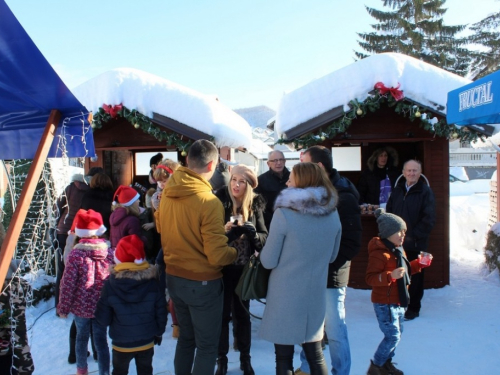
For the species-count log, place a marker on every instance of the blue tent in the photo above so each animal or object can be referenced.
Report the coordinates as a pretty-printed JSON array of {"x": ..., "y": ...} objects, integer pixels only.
[
  {"x": 29, "y": 90},
  {"x": 475, "y": 103}
]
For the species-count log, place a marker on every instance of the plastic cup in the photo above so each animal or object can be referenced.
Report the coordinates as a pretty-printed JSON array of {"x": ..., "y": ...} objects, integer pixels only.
[
  {"x": 232, "y": 219},
  {"x": 425, "y": 259}
]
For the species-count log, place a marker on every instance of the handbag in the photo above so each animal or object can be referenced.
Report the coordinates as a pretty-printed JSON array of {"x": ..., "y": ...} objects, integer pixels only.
[{"x": 253, "y": 281}]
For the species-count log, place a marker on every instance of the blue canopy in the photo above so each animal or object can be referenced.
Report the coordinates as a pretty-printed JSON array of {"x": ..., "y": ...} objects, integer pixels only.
[
  {"x": 29, "y": 90},
  {"x": 475, "y": 103}
]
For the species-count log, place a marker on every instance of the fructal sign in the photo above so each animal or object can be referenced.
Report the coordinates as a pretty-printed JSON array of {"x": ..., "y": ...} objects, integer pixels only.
[{"x": 476, "y": 96}]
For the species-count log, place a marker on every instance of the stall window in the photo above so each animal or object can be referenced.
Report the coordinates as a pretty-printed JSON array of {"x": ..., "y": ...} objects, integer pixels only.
[
  {"x": 142, "y": 161},
  {"x": 347, "y": 158}
]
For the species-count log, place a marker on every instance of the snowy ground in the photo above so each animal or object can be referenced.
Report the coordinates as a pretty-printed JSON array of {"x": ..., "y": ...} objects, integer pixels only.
[{"x": 457, "y": 332}]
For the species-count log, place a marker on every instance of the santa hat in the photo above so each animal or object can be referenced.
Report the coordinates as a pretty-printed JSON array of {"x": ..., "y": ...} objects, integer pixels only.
[
  {"x": 130, "y": 249},
  {"x": 88, "y": 223},
  {"x": 125, "y": 195}
]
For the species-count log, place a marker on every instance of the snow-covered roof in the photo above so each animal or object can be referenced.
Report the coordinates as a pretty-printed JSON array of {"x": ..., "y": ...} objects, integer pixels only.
[
  {"x": 148, "y": 93},
  {"x": 421, "y": 82}
]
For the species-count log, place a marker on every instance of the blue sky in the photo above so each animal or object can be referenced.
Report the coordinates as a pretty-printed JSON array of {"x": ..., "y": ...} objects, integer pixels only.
[{"x": 247, "y": 52}]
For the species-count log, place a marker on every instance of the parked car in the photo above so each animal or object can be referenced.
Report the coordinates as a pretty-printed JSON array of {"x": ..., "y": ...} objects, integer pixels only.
[{"x": 455, "y": 179}]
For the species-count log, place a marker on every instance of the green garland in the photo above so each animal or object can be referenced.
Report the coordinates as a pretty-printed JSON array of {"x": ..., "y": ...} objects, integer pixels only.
[
  {"x": 372, "y": 104},
  {"x": 143, "y": 122}
]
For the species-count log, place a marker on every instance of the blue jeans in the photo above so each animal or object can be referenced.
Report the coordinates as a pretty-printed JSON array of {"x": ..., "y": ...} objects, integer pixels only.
[
  {"x": 198, "y": 307},
  {"x": 82, "y": 344},
  {"x": 336, "y": 330},
  {"x": 390, "y": 320}
]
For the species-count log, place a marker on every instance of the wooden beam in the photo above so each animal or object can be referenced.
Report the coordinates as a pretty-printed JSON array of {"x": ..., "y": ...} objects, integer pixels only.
[{"x": 16, "y": 224}]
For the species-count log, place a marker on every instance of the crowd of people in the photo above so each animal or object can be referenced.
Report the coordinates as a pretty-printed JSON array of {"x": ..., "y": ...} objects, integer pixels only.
[{"x": 122, "y": 267}]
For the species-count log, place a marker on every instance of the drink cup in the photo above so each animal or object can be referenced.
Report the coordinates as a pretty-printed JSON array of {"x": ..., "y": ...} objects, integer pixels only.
[
  {"x": 424, "y": 258},
  {"x": 232, "y": 219}
]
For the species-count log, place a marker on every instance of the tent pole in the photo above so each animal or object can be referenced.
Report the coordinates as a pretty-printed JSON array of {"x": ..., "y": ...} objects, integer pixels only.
[{"x": 17, "y": 221}]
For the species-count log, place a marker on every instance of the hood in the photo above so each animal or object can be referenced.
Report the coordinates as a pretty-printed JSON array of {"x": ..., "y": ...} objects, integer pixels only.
[
  {"x": 306, "y": 201},
  {"x": 132, "y": 286},
  {"x": 184, "y": 183},
  {"x": 117, "y": 216},
  {"x": 95, "y": 249}
]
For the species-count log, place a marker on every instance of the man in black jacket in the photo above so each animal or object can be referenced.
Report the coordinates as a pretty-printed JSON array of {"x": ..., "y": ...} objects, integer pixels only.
[
  {"x": 272, "y": 182},
  {"x": 338, "y": 271},
  {"x": 413, "y": 201}
]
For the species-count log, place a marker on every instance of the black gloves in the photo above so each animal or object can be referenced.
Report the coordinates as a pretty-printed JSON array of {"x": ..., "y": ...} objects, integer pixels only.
[
  {"x": 252, "y": 235},
  {"x": 235, "y": 232},
  {"x": 157, "y": 340}
]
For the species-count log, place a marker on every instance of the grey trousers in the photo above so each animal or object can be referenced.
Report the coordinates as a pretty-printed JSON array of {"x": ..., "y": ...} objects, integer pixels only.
[{"x": 198, "y": 306}]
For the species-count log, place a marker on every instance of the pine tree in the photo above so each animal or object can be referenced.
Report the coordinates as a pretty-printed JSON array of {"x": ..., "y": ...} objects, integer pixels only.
[
  {"x": 486, "y": 34},
  {"x": 415, "y": 28}
]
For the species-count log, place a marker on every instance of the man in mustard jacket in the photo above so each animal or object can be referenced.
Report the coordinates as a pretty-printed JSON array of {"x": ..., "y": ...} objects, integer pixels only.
[{"x": 191, "y": 223}]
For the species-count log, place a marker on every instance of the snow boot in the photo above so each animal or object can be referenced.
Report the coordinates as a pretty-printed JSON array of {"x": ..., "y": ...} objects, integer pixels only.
[
  {"x": 221, "y": 366},
  {"x": 389, "y": 366},
  {"x": 377, "y": 370}
]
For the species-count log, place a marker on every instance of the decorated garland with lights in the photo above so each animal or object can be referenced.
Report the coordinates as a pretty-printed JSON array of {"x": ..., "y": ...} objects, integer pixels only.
[
  {"x": 392, "y": 97},
  {"x": 139, "y": 121}
]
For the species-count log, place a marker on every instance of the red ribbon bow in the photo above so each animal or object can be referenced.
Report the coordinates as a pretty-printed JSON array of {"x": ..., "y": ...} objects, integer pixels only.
[
  {"x": 112, "y": 109},
  {"x": 396, "y": 94}
]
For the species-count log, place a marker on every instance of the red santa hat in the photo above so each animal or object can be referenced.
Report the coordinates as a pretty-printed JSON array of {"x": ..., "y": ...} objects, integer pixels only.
[
  {"x": 125, "y": 195},
  {"x": 88, "y": 223},
  {"x": 130, "y": 249}
]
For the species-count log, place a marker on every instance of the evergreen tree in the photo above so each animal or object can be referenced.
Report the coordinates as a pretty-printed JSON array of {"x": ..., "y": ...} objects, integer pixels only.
[
  {"x": 415, "y": 28},
  {"x": 486, "y": 35}
]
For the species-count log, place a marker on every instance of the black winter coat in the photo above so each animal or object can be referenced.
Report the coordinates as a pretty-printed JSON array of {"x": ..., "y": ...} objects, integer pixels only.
[
  {"x": 99, "y": 201},
  {"x": 350, "y": 241},
  {"x": 369, "y": 183},
  {"x": 417, "y": 208},
  {"x": 270, "y": 185},
  {"x": 257, "y": 217},
  {"x": 134, "y": 307}
]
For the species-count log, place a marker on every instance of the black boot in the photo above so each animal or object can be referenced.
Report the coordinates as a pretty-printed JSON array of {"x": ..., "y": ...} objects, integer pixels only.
[
  {"x": 72, "y": 353},
  {"x": 246, "y": 366},
  {"x": 221, "y": 366}
]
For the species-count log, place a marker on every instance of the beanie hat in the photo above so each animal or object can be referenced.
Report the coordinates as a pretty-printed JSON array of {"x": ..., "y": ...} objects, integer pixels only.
[
  {"x": 125, "y": 195},
  {"x": 156, "y": 159},
  {"x": 88, "y": 223},
  {"x": 388, "y": 224},
  {"x": 130, "y": 249},
  {"x": 247, "y": 173}
]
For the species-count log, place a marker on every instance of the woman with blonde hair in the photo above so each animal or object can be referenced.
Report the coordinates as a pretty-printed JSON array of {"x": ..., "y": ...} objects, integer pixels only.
[
  {"x": 304, "y": 239},
  {"x": 239, "y": 200}
]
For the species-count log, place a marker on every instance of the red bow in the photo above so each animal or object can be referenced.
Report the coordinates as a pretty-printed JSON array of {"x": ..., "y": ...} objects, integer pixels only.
[
  {"x": 112, "y": 109},
  {"x": 396, "y": 94}
]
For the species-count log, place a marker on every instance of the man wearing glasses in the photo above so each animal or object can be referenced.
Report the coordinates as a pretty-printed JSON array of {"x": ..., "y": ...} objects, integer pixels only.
[{"x": 272, "y": 182}]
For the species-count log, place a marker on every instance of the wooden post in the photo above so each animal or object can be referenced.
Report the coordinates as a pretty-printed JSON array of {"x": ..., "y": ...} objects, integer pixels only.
[
  {"x": 498, "y": 187},
  {"x": 16, "y": 224}
]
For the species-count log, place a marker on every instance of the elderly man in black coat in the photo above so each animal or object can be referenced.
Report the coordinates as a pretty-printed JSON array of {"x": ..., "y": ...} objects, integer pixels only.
[{"x": 413, "y": 201}]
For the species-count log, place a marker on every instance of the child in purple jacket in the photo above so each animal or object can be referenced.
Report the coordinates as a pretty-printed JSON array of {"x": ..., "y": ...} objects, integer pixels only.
[{"x": 81, "y": 284}]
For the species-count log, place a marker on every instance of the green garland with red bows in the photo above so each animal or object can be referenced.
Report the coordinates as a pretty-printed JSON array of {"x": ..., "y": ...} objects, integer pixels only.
[
  {"x": 394, "y": 98},
  {"x": 139, "y": 121}
]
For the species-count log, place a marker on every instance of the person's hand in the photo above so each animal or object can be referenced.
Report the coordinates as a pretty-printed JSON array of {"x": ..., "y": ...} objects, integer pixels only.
[
  {"x": 62, "y": 316},
  {"x": 157, "y": 340},
  {"x": 235, "y": 232},
  {"x": 250, "y": 230},
  {"x": 148, "y": 226},
  {"x": 398, "y": 273},
  {"x": 228, "y": 226}
]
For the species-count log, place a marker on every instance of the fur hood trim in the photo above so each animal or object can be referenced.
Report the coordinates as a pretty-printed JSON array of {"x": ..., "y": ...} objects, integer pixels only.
[
  {"x": 149, "y": 273},
  {"x": 104, "y": 245},
  {"x": 309, "y": 201},
  {"x": 392, "y": 161}
]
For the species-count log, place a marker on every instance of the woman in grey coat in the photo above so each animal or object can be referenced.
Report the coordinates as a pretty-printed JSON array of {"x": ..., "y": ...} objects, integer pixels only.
[{"x": 304, "y": 239}]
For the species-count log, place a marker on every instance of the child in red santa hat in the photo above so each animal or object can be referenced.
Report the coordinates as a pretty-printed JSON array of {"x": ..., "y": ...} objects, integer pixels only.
[
  {"x": 124, "y": 219},
  {"x": 133, "y": 305},
  {"x": 81, "y": 284}
]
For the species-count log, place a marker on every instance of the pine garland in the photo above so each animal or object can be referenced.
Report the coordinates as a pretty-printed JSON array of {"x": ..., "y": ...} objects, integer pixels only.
[
  {"x": 143, "y": 122},
  {"x": 406, "y": 108}
]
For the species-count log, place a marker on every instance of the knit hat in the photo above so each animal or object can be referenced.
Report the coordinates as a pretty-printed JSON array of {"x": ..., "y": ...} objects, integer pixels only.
[
  {"x": 88, "y": 223},
  {"x": 125, "y": 195},
  {"x": 156, "y": 159},
  {"x": 246, "y": 172},
  {"x": 130, "y": 249},
  {"x": 388, "y": 224}
]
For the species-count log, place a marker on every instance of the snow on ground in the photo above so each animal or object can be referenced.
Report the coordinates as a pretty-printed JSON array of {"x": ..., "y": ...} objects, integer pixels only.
[{"x": 456, "y": 333}]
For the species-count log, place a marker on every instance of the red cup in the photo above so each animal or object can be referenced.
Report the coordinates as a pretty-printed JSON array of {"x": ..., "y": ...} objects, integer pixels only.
[{"x": 425, "y": 259}]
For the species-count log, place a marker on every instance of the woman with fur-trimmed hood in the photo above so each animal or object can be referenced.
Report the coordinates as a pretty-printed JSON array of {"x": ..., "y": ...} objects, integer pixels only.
[
  {"x": 304, "y": 239},
  {"x": 381, "y": 164},
  {"x": 134, "y": 307}
]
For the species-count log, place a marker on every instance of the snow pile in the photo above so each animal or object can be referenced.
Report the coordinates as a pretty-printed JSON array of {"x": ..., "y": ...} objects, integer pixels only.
[
  {"x": 148, "y": 93},
  {"x": 420, "y": 82}
]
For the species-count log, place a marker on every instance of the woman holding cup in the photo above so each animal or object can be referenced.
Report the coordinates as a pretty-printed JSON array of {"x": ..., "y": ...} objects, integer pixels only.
[{"x": 245, "y": 226}]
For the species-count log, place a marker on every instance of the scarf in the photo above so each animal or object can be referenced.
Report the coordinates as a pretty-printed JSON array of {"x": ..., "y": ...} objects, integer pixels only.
[{"x": 404, "y": 296}]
